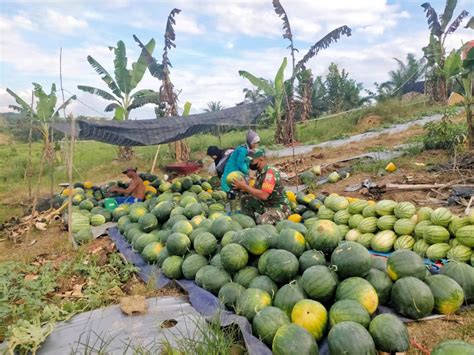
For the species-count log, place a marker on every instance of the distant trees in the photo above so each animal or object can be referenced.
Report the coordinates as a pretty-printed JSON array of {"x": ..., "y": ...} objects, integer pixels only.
[{"x": 213, "y": 106}]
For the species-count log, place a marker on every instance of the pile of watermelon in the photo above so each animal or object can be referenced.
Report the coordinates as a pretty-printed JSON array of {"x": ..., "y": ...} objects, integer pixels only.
[
  {"x": 386, "y": 225},
  {"x": 298, "y": 283}
]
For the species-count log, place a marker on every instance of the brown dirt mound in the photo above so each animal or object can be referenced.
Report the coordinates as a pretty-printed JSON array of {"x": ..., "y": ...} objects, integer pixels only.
[
  {"x": 5, "y": 139},
  {"x": 368, "y": 122}
]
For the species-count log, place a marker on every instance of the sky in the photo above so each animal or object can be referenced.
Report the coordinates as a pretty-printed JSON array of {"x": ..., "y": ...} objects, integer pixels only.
[{"x": 214, "y": 40}]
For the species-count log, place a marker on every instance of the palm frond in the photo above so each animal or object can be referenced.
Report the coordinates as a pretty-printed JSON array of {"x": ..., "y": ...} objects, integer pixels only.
[
  {"x": 17, "y": 108},
  {"x": 170, "y": 36},
  {"x": 140, "y": 93},
  {"x": 99, "y": 92},
  {"x": 324, "y": 43},
  {"x": 457, "y": 22},
  {"x": 156, "y": 69},
  {"x": 111, "y": 107},
  {"x": 432, "y": 17},
  {"x": 122, "y": 75},
  {"x": 23, "y": 104},
  {"x": 447, "y": 13},
  {"x": 64, "y": 105},
  {"x": 139, "y": 67},
  {"x": 105, "y": 76},
  {"x": 280, "y": 11},
  {"x": 139, "y": 101},
  {"x": 260, "y": 83}
]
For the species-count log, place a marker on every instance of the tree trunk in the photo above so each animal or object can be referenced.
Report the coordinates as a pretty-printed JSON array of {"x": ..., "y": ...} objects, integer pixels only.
[
  {"x": 125, "y": 153},
  {"x": 436, "y": 88},
  {"x": 279, "y": 139},
  {"x": 289, "y": 123},
  {"x": 470, "y": 126}
]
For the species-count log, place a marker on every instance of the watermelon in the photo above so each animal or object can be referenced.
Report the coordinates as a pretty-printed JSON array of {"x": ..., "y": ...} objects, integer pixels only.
[
  {"x": 456, "y": 223},
  {"x": 420, "y": 247},
  {"x": 292, "y": 336},
  {"x": 162, "y": 256},
  {"x": 342, "y": 217},
  {"x": 351, "y": 259},
  {"x": 459, "y": 253},
  {"x": 184, "y": 227},
  {"x": 360, "y": 290},
  {"x": 336, "y": 203},
  {"x": 196, "y": 232},
  {"x": 97, "y": 220},
  {"x": 381, "y": 283},
  {"x": 404, "y": 226},
  {"x": 424, "y": 214},
  {"x": 312, "y": 316},
  {"x": 200, "y": 273},
  {"x": 448, "y": 295},
  {"x": 355, "y": 220},
  {"x": 245, "y": 275},
  {"x": 86, "y": 205},
  {"x": 438, "y": 251},
  {"x": 222, "y": 225},
  {"x": 350, "y": 338},
  {"x": 365, "y": 239},
  {"x": 255, "y": 240},
  {"x": 369, "y": 211},
  {"x": 136, "y": 212},
  {"x": 123, "y": 222},
  {"x": 311, "y": 258},
  {"x": 353, "y": 235},
  {"x": 404, "y": 210},
  {"x": 193, "y": 209},
  {"x": 171, "y": 267},
  {"x": 285, "y": 223},
  {"x": 379, "y": 263},
  {"x": 404, "y": 242},
  {"x": 234, "y": 175},
  {"x": 230, "y": 293},
  {"x": 262, "y": 261},
  {"x": 234, "y": 257},
  {"x": 178, "y": 244},
  {"x": 325, "y": 213},
  {"x": 292, "y": 241},
  {"x": 191, "y": 265},
  {"x": 435, "y": 234},
  {"x": 386, "y": 222},
  {"x": 356, "y": 207},
  {"x": 385, "y": 207},
  {"x": 463, "y": 274},
  {"x": 403, "y": 263},
  {"x": 83, "y": 235},
  {"x": 465, "y": 236},
  {"x": 251, "y": 301},
  {"x": 213, "y": 279},
  {"x": 148, "y": 222},
  {"x": 389, "y": 334},
  {"x": 368, "y": 225},
  {"x": 281, "y": 265},
  {"x": 453, "y": 347},
  {"x": 412, "y": 298},
  {"x": 420, "y": 228},
  {"x": 270, "y": 229},
  {"x": 227, "y": 238},
  {"x": 343, "y": 230},
  {"x": 348, "y": 310},
  {"x": 324, "y": 236},
  {"x": 319, "y": 283},
  {"x": 143, "y": 240},
  {"x": 243, "y": 220},
  {"x": 441, "y": 217},
  {"x": 205, "y": 244},
  {"x": 287, "y": 296},
  {"x": 383, "y": 241},
  {"x": 151, "y": 251},
  {"x": 266, "y": 323},
  {"x": 216, "y": 261}
]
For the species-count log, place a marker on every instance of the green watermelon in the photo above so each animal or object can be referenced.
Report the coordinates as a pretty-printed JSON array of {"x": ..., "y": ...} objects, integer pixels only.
[
  {"x": 379, "y": 263},
  {"x": 243, "y": 220},
  {"x": 355, "y": 220},
  {"x": 151, "y": 251},
  {"x": 319, "y": 282},
  {"x": 205, "y": 244},
  {"x": 448, "y": 295},
  {"x": 368, "y": 225},
  {"x": 191, "y": 265},
  {"x": 438, "y": 251},
  {"x": 412, "y": 298},
  {"x": 136, "y": 212},
  {"x": 200, "y": 273},
  {"x": 148, "y": 222},
  {"x": 404, "y": 210},
  {"x": 403, "y": 263},
  {"x": 193, "y": 209},
  {"x": 351, "y": 259},
  {"x": 143, "y": 240},
  {"x": 292, "y": 336},
  {"x": 171, "y": 267},
  {"x": 325, "y": 213},
  {"x": 83, "y": 235},
  {"x": 213, "y": 279},
  {"x": 360, "y": 290},
  {"x": 386, "y": 222},
  {"x": 97, "y": 220},
  {"x": 365, "y": 240},
  {"x": 353, "y": 235},
  {"x": 465, "y": 236},
  {"x": 251, "y": 301},
  {"x": 266, "y": 323},
  {"x": 420, "y": 247},
  {"x": 348, "y": 310},
  {"x": 263, "y": 282},
  {"x": 369, "y": 211},
  {"x": 463, "y": 274},
  {"x": 229, "y": 294},
  {"x": 311, "y": 258},
  {"x": 441, "y": 217},
  {"x": 245, "y": 275},
  {"x": 381, "y": 283},
  {"x": 389, "y": 334},
  {"x": 178, "y": 244},
  {"x": 162, "y": 256},
  {"x": 356, "y": 207},
  {"x": 222, "y": 225},
  {"x": 459, "y": 253},
  {"x": 420, "y": 228},
  {"x": 285, "y": 223},
  {"x": 453, "y": 347},
  {"x": 281, "y": 265},
  {"x": 350, "y": 338},
  {"x": 435, "y": 234},
  {"x": 424, "y": 214},
  {"x": 324, "y": 236},
  {"x": 122, "y": 223},
  {"x": 383, "y": 241},
  {"x": 404, "y": 226},
  {"x": 287, "y": 296},
  {"x": 255, "y": 240},
  {"x": 292, "y": 241},
  {"x": 234, "y": 257},
  {"x": 342, "y": 217},
  {"x": 385, "y": 207},
  {"x": 184, "y": 227},
  {"x": 404, "y": 242}
]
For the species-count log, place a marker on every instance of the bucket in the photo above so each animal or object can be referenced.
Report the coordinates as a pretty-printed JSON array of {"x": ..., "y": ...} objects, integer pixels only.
[{"x": 110, "y": 204}]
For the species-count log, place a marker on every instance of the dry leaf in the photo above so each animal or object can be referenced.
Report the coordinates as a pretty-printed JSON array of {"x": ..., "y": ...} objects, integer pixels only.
[
  {"x": 133, "y": 304},
  {"x": 30, "y": 277},
  {"x": 41, "y": 226}
]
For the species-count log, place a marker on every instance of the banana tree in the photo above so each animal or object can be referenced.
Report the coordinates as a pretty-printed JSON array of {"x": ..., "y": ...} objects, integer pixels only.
[
  {"x": 323, "y": 43},
  {"x": 275, "y": 90},
  {"x": 435, "y": 52},
  {"x": 44, "y": 113},
  {"x": 304, "y": 92},
  {"x": 467, "y": 76},
  {"x": 124, "y": 98}
]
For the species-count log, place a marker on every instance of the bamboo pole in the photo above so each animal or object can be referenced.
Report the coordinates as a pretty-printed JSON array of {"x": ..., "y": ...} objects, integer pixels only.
[
  {"x": 155, "y": 159},
  {"x": 30, "y": 137}
]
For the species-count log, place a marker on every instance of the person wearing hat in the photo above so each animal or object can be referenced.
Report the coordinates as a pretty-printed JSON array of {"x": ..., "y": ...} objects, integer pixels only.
[
  {"x": 220, "y": 157},
  {"x": 135, "y": 192},
  {"x": 238, "y": 159},
  {"x": 266, "y": 201}
]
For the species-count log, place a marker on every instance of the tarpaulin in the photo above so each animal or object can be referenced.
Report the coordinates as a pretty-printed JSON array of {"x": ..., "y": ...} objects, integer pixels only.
[{"x": 166, "y": 129}]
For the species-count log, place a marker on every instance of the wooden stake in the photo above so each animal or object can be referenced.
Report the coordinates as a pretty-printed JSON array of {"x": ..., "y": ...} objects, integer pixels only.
[
  {"x": 155, "y": 159},
  {"x": 30, "y": 137}
]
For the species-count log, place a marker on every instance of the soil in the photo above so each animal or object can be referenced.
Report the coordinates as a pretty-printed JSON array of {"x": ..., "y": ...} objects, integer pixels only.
[{"x": 368, "y": 122}]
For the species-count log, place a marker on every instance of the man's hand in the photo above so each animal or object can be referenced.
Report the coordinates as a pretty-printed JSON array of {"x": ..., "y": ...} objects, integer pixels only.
[
  {"x": 240, "y": 184},
  {"x": 113, "y": 189}
]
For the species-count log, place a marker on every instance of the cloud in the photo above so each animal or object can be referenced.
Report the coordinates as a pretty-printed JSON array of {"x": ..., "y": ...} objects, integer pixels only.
[{"x": 63, "y": 24}]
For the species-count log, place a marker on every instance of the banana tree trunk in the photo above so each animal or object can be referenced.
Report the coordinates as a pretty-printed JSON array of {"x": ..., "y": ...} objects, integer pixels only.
[
  {"x": 289, "y": 126},
  {"x": 470, "y": 126}
]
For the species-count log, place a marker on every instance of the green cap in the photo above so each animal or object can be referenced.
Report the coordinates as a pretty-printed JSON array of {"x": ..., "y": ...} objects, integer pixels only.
[{"x": 257, "y": 153}]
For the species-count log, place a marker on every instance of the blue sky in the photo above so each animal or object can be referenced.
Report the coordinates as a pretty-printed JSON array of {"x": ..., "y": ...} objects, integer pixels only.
[{"x": 215, "y": 39}]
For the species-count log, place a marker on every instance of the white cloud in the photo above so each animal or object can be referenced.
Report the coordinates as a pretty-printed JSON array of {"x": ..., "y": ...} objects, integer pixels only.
[{"x": 63, "y": 24}]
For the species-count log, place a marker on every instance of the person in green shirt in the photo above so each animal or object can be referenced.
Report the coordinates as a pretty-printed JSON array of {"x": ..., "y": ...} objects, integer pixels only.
[{"x": 266, "y": 201}]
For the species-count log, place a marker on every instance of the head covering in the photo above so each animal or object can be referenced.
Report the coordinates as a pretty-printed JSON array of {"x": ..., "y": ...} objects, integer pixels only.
[
  {"x": 256, "y": 153},
  {"x": 219, "y": 153},
  {"x": 129, "y": 169},
  {"x": 252, "y": 137}
]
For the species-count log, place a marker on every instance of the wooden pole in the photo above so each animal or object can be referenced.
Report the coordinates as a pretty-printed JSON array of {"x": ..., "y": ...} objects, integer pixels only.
[
  {"x": 30, "y": 137},
  {"x": 70, "y": 157},
  {"x": 155, "y": 159}
]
